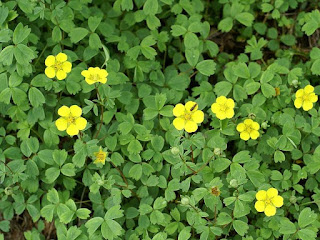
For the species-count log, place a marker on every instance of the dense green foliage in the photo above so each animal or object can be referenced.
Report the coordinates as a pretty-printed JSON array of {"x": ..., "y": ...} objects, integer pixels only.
[{"x": 157, "y": 182}]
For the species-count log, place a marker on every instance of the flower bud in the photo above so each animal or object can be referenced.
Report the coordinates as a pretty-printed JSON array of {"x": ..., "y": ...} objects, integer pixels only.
[
  {"x": 100, "y": 182},
  {"x": 252, "y": 116},
  {"x": 175, "y": 151},
  {"x": 217, "y": 151},
  {"x": 234, "y": 183},
  {"x": 295, "y": 82},
  {"x": 8, "y": 191},
  {"x": 264, "y": 125},
  {"x": 185, "y": 201}
]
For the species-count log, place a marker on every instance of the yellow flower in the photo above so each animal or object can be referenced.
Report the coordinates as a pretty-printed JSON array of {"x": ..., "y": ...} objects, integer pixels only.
[
  {"x": 248, "y": 129},
  {"x": 223, "y": 107},
  {"x": 93, "y": 75},
  {"x": 305, "y": 98},
  {"x": 100, "y": 157},
  {"x": 57, "y": 66},
  {"x": 268, "y": 201},
  {"x": 187, "y": 117},
  {"x": 70, "y": 120}
]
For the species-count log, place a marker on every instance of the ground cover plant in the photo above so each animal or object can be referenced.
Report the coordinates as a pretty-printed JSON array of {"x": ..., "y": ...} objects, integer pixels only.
[{"x": 159, "y": 119}]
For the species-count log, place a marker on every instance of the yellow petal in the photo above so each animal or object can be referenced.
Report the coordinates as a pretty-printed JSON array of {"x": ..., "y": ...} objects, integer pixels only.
[
  {"x": 308, "y": 89},
  {"x": 230, "y": 113},
  {"x": 221, "y": 115},
  {"x": 198, "y": 116},
  {"x": 260, "y": 206},
  {"x": 261, "y": 195},
  {"x": 299, "y": 93},
  {"x": 89, "y": 81},
  {"x": 81, "y": 123},
  {"x": 245, "y": 136},
  {"x": 178, "y": 110},
  {"x": 255, "y": 126},
  {"x": 254, "y": 134},
  {"x": 191, "y": 105},
  {"x": 221, "y": 100},
  {"x": 272, "y": 192},
  {"x": 215, "y": 107},
  {"x": 230, "y": 103},
  {"x": 50, "y": 60},
  {"x": 61, "y": 124},
  {"x": 307, "y": 105},
  {"x": 85, "y": 73},
  {"x": 72, "y": 130},
  {"x": 66, "y": 66},
  {"x": 61, "y": 75},
  {"x": 179, "y": 123},
  {"x": 298, "y": 102},
  {"x": 248, "y": 122},
  {"x": 313, "y": 97},
  {"x": 270, "y": 210},
  {"x": 277, "y": 201},
  {"x": 191, "y": 126},
  {"x": 241, "y": 127},
  {"x": 103, "y": 80},
  {"x": 61, "y": 57},
  {"x": 103, "y": 73},
  {"x": 64, "y": 111},
  {"x": 76, "y": 111},
  {"x": 50, "y": 72}
]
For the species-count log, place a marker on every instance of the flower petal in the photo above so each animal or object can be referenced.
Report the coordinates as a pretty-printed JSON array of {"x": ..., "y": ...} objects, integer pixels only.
[
  {"x": 85, "y": 73},
  {"x": 229, "y": 113},
  {"x": 61, "y": 124},
  {"x": 179, "y": 123},
  {"x": 260, "y": 206},
  {"x": 72, "y": 130},
  {"x": 50, "y": 72},
  {"x": 81, "y": 123},
  {"x": 221, "y": 100},
  {"x": 61, "y": 57},
  {"x": 198, "y": 116},
  {"x": 89, "y": 81},
  {"x": 61, "y": 75},
  {"x": 76, "y": 111},
  {"x": 64, "y": 111},
  {"x": 248, "y": 122},
  {"x": 272, "y": 192},
  {"x": 221, "y": 115},
  {"x": 215, "y": 107},
  {"x": 298, "y": 103},
  {"x": 307, "y": 105},
  {"x": 191, "y": 105},
  {"x": 191, "y": 126},
  {"x": 50, "y": 60},
  {"x": 255, "y": 126},
  {"x": 299, "y": 93},
  {"x": 270, "y": 210},
  {"x": 66, "y": 66},
  {"x": 241, "y": 127},
  {"x": 103, "y": 73},
  {"x": 277, "y": 201},
  {"x": 245, "y": 135},
  {"x": 178, "y": 110},
  {"x": 261, "y": 195},
  {"x": 230, "y": 103},
  {"x": 254, "y": 134},
  {"x": 313, "y": 97},
  {"x": 308, "y": 89}
]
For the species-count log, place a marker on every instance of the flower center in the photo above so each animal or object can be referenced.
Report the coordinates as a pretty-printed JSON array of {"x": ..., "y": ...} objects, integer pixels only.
[
  {"x": 224, "y": 108},
  {"x": 187, "y": 116},
  {"x": 100, "y": 157},
  {"x": 71, "y": 119},
  {"x": 58, "y": 66},
  {"x": 94, "y": 77}
]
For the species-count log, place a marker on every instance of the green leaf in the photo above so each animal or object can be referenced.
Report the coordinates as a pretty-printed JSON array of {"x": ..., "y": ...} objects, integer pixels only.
[
  {"x": 307, "y": 234},
  {"x": 83, "y": 213},
  {"x": 240, "y": 227},
  {"x": 191, "y": 40},
  {"x": 226, "y": 24},
  {"x": 287, "y": 227},
  {"x": 59, "y": 156},
  {"x": 20, "y": 33},
  {"x": 77, "y": 34},
  {"x": 53, "y": 196},
  {"x": 185, "y": 233},
  {"x": 178, "y": 30},
  {"x": 52, "y": 174},
  {"x": 68, "y": 170},
  {"x": 93, "y": 224},
  {"x": 29, "y": 146},
  {"x": 192, "y": 56},
  {"x": 279, "y": 156},
  {"x": 94, "y": 22},
  {"x": 206, "y": 67},
  {"x": 150, "y": 7},
  {"x": 306, "y": 217},
  {"x": 36, "y": 97},
  {"x": 245, "y": 18}
]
